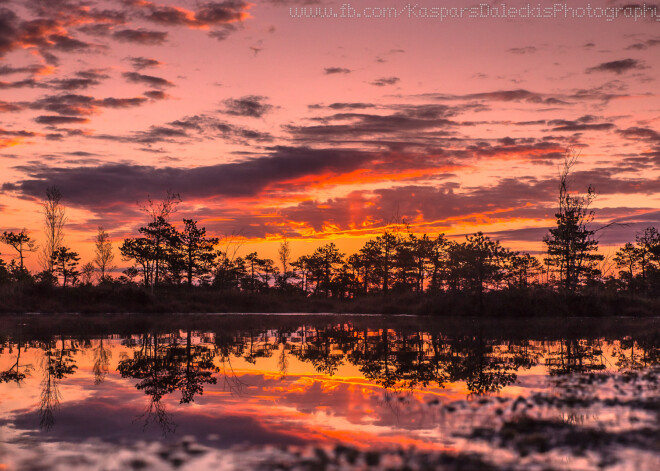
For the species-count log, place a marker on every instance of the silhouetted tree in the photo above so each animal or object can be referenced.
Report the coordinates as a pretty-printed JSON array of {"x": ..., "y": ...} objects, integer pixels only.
[
  {"x": 54, "y": 221},
  {"x": 257, "y": 272},
  {"x": 21, "y": 243},
  {"x": 476, "y": 264},
  {"x": 65, "y": 265},
  {"x": 520, "y": 268},
  {"x": 87, "y": 273},
  {"x": 648, "y": 247},
  {"x": 229, "y": 271},
  {"x": 141, "y": 250},
  {"x": 628, "y": 258},
  {"x": 196, "y": 250},
  {"x": 103, "y": 255},
  {"x": 325, "y": 261},
  {"x": 571, "y": 246},
  {"x": 380, "y": 257},
  {"x": 284, "y": 255}
]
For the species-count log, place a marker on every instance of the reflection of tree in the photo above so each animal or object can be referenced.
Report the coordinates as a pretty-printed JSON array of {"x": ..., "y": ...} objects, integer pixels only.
[
  {"x": 226, "y": 347},
  {"x": 153, "y": 367},
  {"x": 56, "y": 365},
  {"x": 576, "y": 356},
  {"x": 483, "y": 366},
  {"x": 101, "y": 364},
  {"x": 16, "y": 372},
  {"x": 321, "y": 350},
  {"x": 376, "y": 356},
  {"x": 197, "y": 370},
  {"x": 163, "y": 368},
  {"x": 637, "y": 353},
  {"x": 255, "y": 347}
]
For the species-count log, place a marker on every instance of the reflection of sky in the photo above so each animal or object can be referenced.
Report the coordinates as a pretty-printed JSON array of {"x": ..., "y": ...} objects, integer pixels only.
[{"x": 251, "y": 404}]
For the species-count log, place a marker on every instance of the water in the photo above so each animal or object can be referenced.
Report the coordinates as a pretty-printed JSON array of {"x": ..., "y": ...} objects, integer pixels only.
[{"x": 328, "y": 392}]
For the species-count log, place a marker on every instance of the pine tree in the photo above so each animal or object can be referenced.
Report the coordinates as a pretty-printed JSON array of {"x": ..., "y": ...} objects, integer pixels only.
[{"x": 571, "y": 246}]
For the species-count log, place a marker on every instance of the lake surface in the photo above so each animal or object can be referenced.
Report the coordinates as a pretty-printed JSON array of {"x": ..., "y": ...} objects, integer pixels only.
[{"x": 328, "y": 392}]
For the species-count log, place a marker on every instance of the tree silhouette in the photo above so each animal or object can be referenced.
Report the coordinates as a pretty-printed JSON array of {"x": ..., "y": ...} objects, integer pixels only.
[
  {"x": 65, "y": 265},
  {"x": 196, "y": 250},
  {"x": 571, "y": 246},
  {"x": 141, "y": 250},
  {"x": 103, "y": 255},
  {"x": 476, "y": 264},
  {"x": 21, "y": 243},
  {"x": 324, "y": 262},
  {"x": 54, "y": 221}
]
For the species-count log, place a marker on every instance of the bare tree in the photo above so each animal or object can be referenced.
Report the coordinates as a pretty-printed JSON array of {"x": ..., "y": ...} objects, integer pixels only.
[
  {"x": 103, "y": 253},
  {"x": 162, "y": 209},
  {"x": 284, "y": 254},
  {"x": 87, "y": 273},
  {"x": 54, "y": 221}
]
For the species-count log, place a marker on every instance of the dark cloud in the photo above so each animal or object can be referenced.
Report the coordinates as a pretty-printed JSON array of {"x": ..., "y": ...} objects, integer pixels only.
[
  {"x": 65, "y": 43},
  {"x": 141, "y": 36},
  {"x": 215, "y": 13},
  {"x": 140, "y": 63},
  {"x": 617, "y": 67},
  {"x": 191, "y": 128},
  {"x": 585, "y": 127},
  {"x": 97, "y": 29},
  {"x": 522, "y": 50},
  {"x": 223, "y": 32},
  {"x": 639, "y": 46},
  {"x": 6, "y": 132},
  {"x": 82, "y": 105},
  {"x": 8, "y": 31},
  {"x": 207, "y": 14},
  {"x": 26, "y": 83},
  {"x": 57, "y": 120},
  {"x": 336, "y": 70},
  {"x": 169, "y": 16},
  {"x": 383, "y": 81},
  {"x": 252, "y": 106},
  {"x": 150, "y": 80},
  {"x": 6, "y": 107},
  {"x": 73, "y": 83},
  {"x": 650, "y": 137},
  {"x": 120, "y": 102},
  {"x": 67, "y": 104},
  {"x": 83, "y": 80},
  {"x": 584, "y": 123},
  {"x": 30, "y": 69},
  {"x": 95, "y": 187},
  {"x": 351, "y": 106},
  {"x": 603, "y": 93},
  {"x": 156, "y": 94},
  {"x": 350, "y": 126},
  {"x": 647, "y": 134}
]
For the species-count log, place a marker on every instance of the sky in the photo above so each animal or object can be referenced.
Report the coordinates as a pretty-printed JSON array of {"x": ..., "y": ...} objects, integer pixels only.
[{"x": 272, "y": 124}]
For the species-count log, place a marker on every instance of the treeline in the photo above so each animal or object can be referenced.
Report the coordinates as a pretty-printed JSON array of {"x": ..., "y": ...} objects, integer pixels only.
[{"x": 397, "y": 261}]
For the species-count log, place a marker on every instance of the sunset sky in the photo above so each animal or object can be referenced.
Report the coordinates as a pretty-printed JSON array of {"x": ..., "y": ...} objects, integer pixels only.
[{"x": 272, "y": 126}]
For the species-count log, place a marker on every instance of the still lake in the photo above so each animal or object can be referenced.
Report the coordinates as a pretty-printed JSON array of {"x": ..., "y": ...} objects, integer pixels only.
[{"x": 328, "y": 392}]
